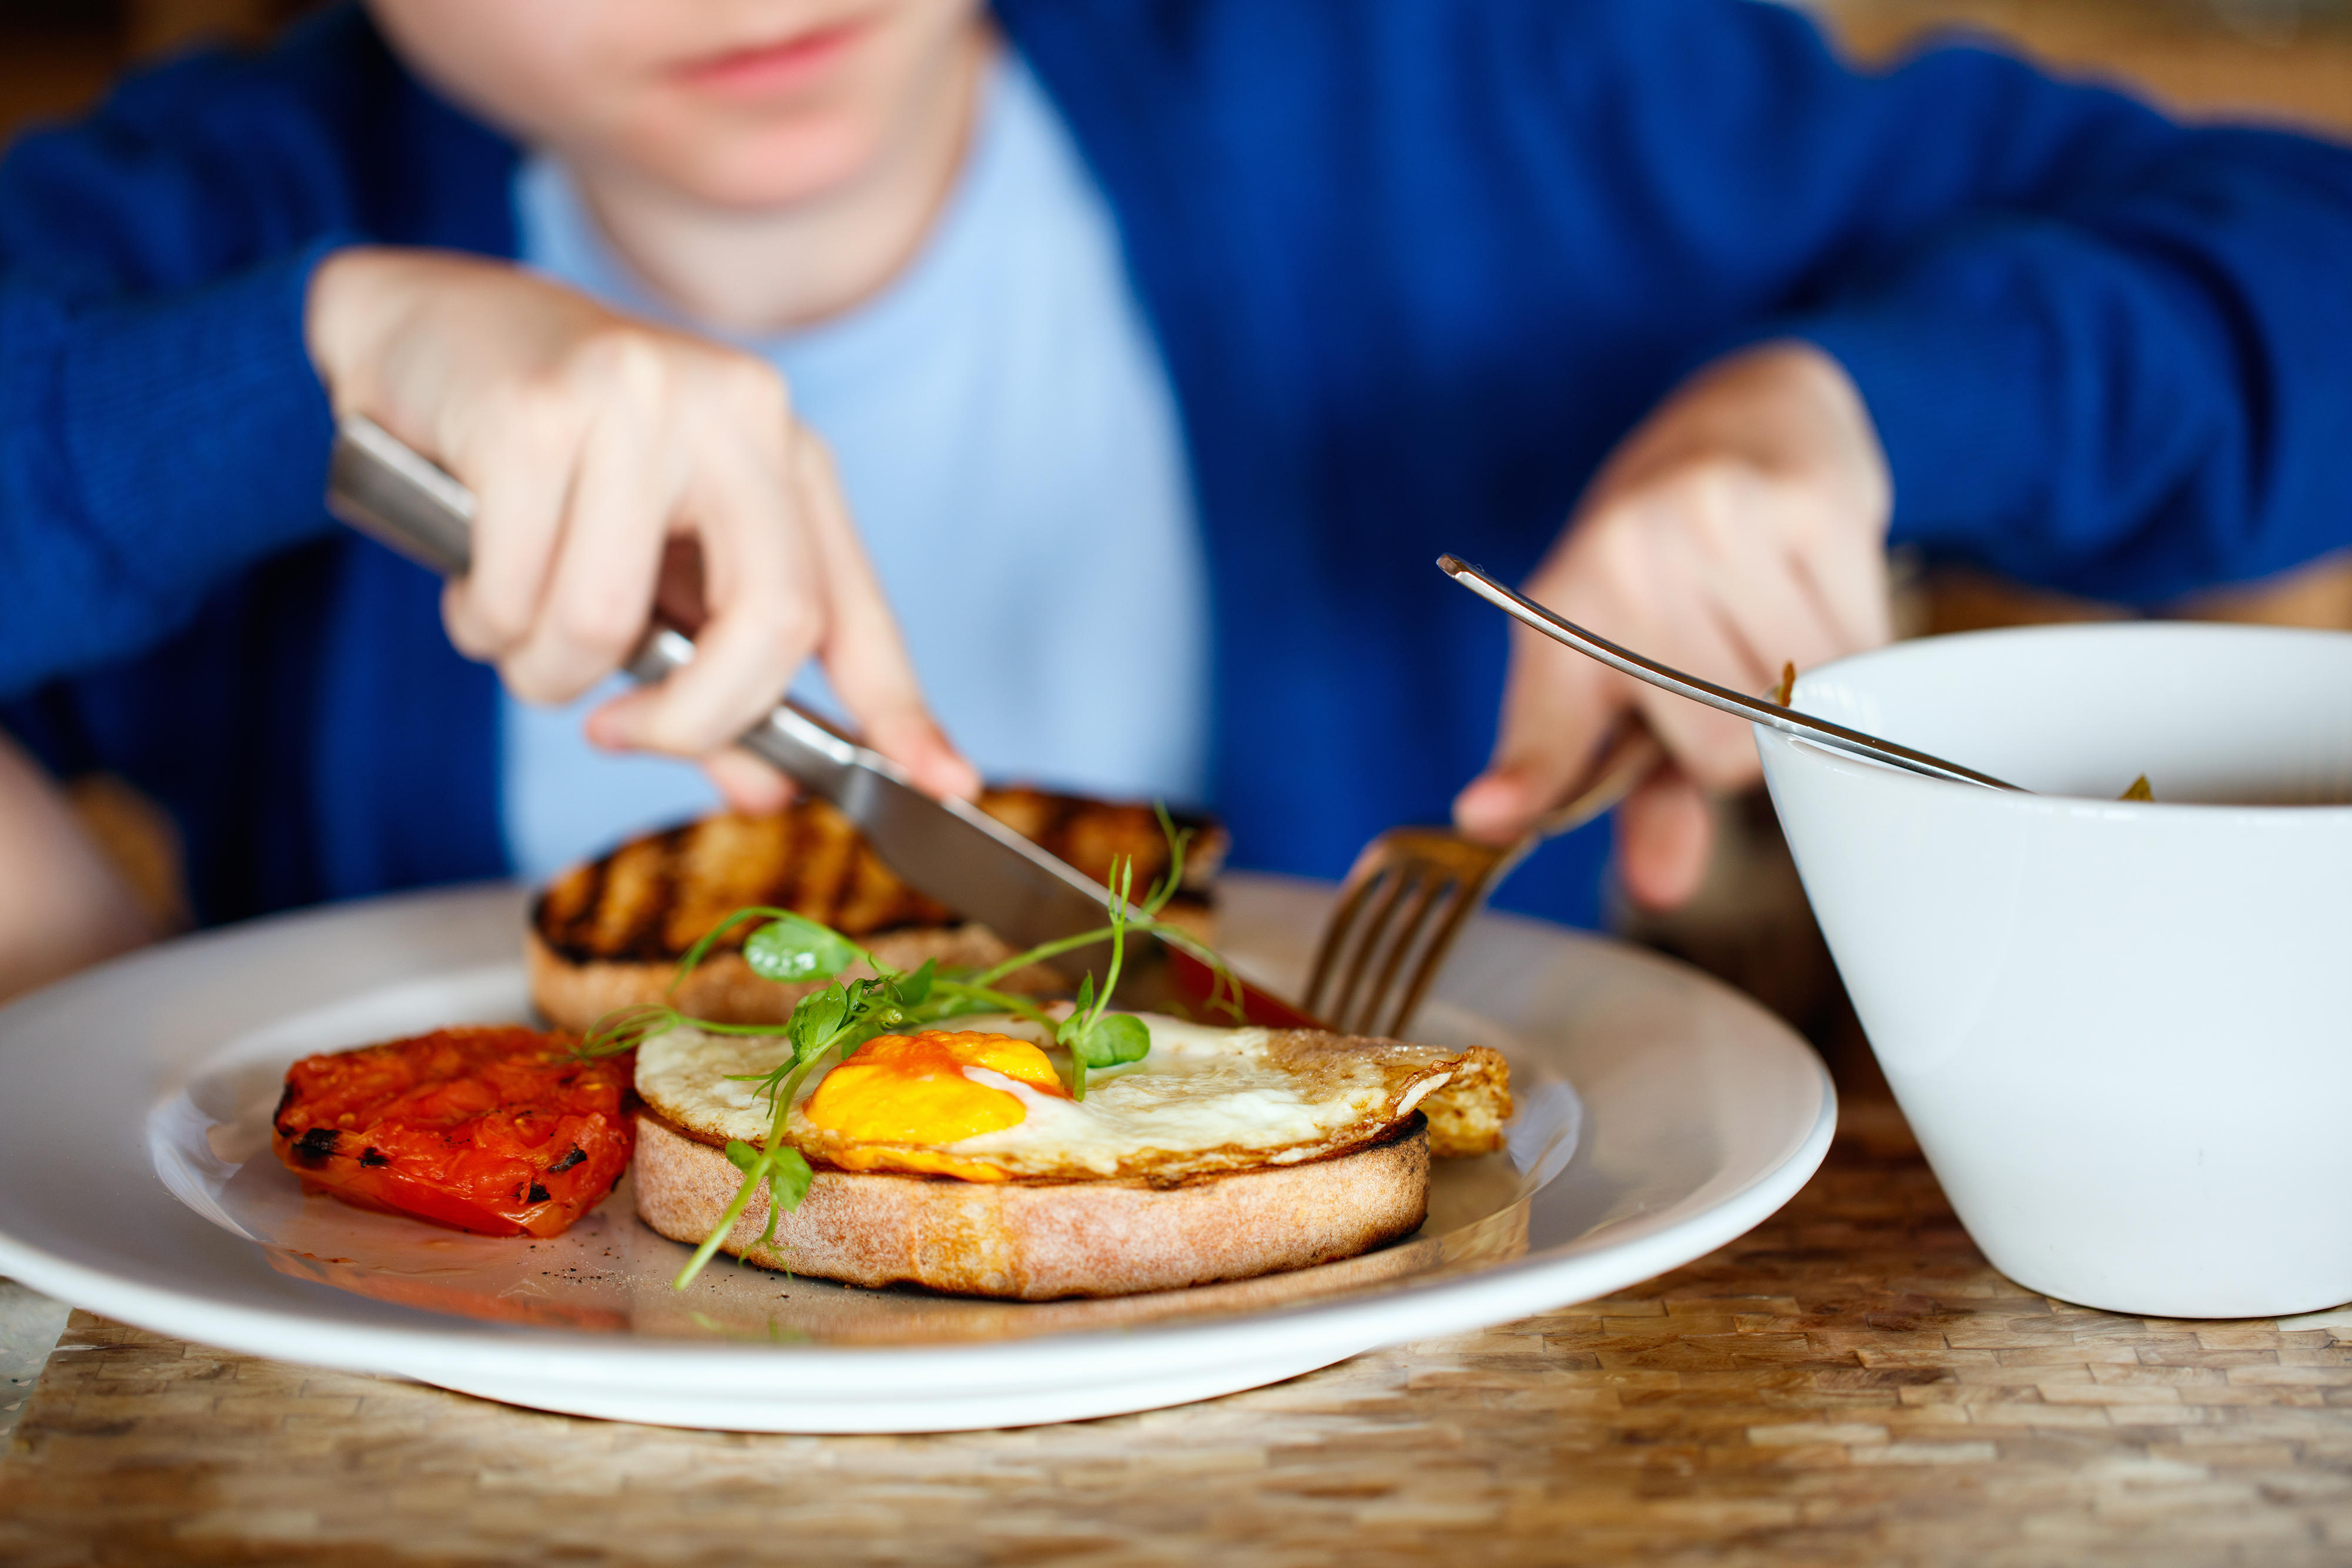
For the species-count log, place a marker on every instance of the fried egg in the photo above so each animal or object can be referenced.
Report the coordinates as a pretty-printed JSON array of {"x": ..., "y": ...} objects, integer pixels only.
[{"x": 985, "y": 1100}]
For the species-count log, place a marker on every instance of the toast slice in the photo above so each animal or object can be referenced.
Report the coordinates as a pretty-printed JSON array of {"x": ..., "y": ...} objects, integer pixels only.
[
  {"x": 609, "y": 933},
  {"x": 1225, "y": 1155},
  {"x": 1041, "y": 1240}
]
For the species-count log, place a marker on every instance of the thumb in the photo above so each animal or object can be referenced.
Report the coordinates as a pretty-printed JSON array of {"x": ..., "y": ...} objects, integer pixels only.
[{"x": 1557, "y": 705}]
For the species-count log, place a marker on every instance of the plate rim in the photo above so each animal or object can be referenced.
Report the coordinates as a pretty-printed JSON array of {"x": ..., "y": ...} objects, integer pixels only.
[{"x": 1626, "y": 1251}]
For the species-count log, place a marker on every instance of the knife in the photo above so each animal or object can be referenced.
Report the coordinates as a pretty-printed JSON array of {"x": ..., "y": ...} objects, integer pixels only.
[{"x": 950, "y": 849}]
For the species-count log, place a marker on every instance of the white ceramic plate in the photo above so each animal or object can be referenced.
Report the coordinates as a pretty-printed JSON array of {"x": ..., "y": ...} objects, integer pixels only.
[{"x": 1661, "y": 1115}]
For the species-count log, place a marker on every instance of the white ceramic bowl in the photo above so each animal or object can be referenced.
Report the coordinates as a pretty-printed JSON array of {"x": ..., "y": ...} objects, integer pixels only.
[{"x": 2123, "y": 1033}]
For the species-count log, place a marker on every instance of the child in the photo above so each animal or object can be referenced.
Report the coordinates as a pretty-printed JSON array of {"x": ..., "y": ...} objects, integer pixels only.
[{"x": 1162, "y": 347}]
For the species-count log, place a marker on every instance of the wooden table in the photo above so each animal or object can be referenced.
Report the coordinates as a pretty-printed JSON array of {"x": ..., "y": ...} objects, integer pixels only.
[{"x": 1849, "y": 1384}]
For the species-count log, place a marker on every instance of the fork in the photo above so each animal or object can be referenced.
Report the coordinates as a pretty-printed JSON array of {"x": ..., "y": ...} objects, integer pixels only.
[
  {"x": 1438, "y": 879},
  {"x": 1412, "y": 890}
]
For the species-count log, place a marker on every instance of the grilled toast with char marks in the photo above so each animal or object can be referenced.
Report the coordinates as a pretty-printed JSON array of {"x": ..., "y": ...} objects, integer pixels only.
[{"x": 609, "y": 933}]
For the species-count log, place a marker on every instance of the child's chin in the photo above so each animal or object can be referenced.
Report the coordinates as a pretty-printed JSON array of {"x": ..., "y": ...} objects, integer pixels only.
[{"x": 758, "y": 166}]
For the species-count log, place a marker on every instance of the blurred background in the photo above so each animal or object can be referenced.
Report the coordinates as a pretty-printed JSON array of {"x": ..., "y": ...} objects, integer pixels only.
[{"x": 2284, "y": 62}]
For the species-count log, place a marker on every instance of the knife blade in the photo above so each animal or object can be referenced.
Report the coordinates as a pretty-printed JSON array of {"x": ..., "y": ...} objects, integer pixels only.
[{"x": 950, "y": 849}]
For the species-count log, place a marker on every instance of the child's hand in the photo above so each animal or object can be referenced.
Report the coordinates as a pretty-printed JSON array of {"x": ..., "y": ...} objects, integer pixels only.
[
  {"x": 600, "y": 448},
  {"x": 62, "y": 904},
  {"x": 1739, "y": 528}
]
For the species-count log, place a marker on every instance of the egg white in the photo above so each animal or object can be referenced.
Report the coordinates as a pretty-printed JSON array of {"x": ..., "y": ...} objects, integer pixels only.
[{"x": 1203, "y": 1098}]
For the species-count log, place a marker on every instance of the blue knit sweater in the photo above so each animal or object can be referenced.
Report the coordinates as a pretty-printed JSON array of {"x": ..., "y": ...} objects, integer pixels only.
[{"x": 1413, "y": 266}]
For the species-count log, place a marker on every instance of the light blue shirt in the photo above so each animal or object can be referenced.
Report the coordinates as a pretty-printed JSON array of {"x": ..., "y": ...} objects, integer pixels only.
[{"x": 1011, "y": 450}]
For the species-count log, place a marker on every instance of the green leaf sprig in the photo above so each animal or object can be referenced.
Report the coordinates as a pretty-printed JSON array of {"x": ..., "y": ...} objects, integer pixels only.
[
  {"x": 792, "y": 949},
  {"x": 1092, "y": 1037}
]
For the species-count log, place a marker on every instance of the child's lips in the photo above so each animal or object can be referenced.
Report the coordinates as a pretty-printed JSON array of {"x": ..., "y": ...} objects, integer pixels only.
[{"x": 773, "y": 68}]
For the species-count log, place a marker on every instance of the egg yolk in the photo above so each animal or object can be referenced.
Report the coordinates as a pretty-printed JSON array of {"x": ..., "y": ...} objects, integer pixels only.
[{"x": 912, "y": 1089}]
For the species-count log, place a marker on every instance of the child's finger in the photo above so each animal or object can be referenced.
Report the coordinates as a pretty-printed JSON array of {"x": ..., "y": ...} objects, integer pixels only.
[
  {"x": 600, "y": 588},
  {"x": 1664, "y": 833},
  {"x": 520, "y": 474},
  {"x": 1710, "y": 746},
  {"x": 866, "y": 658},
  {"x": 748, "y": 785},
  {"x": 1557, "y": 704},
  {"x": 764, "y": 587},
  {"x": 1745, "y": 568},
  {"x": 1847, "y": 579}
]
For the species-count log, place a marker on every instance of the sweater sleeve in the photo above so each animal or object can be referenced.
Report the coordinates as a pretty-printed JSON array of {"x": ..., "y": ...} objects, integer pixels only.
[
  {"x": 161, "y": 427},
  {"x": 155, "y": 446},
  {"x": 2103, "y": 352},
  {"x": 2130, "y": 392}
]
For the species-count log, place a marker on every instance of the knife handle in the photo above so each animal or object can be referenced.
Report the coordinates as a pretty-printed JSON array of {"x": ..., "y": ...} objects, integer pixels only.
[{"x": 388, "y": 490}]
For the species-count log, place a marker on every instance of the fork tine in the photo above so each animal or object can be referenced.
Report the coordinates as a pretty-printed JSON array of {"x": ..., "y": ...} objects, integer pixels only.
[
  {"x": 1469, "y": 895},
  {"x": 1411, "y": 940},
  {"x": 1407, "y": 896},
  {"x": 1443, "y": 879},
  {"x": 1394, "y": 883},
  {"x": 1340, "y": 924}
]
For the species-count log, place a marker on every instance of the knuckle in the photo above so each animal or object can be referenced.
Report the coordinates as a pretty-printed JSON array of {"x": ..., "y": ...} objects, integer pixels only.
[
  {"x": 668, "y": 730},
  {"x": 500, "y": 624},
  {"x": 527, "y": 680},
  {"x": 1618, "y": 559},
  {"x": 622, "y": 360},
  {"x": 525, "y": 413},
  {"x": 776, "y": 621},
  {"x": 467, "y": 638},
  {"x": 604, "y": 622},
  {"x": 1709, "y": 494},
  {"x": 796, "y": 626},
  {"x": 756, "y": 389},
  {"x": 493, "y": 619}
]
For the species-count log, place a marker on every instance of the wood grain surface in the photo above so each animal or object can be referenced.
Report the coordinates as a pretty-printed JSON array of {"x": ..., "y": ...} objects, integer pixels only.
[{"x": 1849, "y": 1384}]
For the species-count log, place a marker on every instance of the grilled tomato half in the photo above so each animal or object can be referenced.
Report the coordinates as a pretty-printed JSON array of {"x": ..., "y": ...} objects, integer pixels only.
[{"x": 502, "y": 1132}]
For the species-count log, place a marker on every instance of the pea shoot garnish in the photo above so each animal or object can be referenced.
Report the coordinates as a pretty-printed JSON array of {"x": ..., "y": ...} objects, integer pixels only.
[
  {"x": 833, "y": 1021},
  {"x": 1093, "y": 1037}
]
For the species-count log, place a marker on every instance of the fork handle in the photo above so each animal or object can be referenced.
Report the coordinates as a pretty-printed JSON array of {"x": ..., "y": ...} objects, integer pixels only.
[{"x": 1628, "y": 755}]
